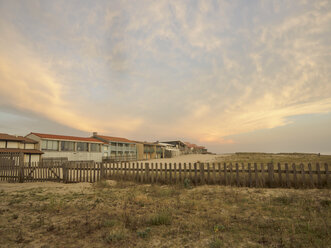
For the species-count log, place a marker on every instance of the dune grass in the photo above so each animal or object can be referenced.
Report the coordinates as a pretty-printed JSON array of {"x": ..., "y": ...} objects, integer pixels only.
[{"x": 135, "y": 215}]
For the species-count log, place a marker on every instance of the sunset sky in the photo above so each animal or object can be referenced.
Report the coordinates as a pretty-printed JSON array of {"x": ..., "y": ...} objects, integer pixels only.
[{"x": 229, "y": 75}]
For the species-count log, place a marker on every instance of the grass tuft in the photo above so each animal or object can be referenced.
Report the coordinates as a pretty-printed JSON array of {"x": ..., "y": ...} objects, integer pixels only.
[{"x": 161, "y": 218}]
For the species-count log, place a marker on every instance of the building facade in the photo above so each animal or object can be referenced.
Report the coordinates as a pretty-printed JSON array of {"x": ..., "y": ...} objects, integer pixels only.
[
  {"x": 179, "y": 145},
  {"x": 118, "y": 149},
  {"x": 71, "y": 148},
  {"x": 193, "y": 148},
  {"x": 10, "y": 144},
  {"x": 147, "y": 150}
]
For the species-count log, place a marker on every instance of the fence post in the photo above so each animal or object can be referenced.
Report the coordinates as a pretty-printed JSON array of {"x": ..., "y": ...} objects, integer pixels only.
[
  {"x": 303, "y": 178},
  {"x": 326, "y": 174},
  {"x": 195, "y": 174},
  {"x": 202, "y": 173},
  {"x": 310, "y": 176},
  {"x": 147, "y": 172},
  {"x": 65, "y": 172},
  {"x": 263, "y": 176},
  {"x": 208, "y": 173},
  {"x": 180, "y": 172},
  {"x": 318, "y": 174},
  {"x": 250, "y": 175},
  {"x": 225, "y": 174},
  {"x": 219, "y": 173},
  {"x": 170, "y": 173},
  {"x": 271, "y": 174},
  {"x": 280, "y": 180},
  {"x": 214, "y": 173},
  {"x": 295, "y": 175},
  {"x": 256, "y": 175},
  {"x": 237, "y": 174},
  {"x": 21, "y": 167},
  {"x": 102, "y": 171},
  {"x": 231, "y": 174},
  {"x": 175, "y": 173}
]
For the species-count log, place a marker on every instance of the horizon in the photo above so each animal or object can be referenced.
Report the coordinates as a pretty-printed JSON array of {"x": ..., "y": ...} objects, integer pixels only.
[{"x": 230, "y": 76}]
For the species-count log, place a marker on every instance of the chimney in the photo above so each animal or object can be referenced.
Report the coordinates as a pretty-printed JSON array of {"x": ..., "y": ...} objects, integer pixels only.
[{"x": 95, "y": 134}]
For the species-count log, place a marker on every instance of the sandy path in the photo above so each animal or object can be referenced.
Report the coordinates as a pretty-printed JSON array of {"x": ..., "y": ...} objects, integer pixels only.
[{"x": 190, "y": 158}]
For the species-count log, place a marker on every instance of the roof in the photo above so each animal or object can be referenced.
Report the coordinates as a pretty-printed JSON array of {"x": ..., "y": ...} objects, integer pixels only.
[
  {"x": 114, "y": 139},
  {"x": 165, "y": 144},
  {"x": 26, "y": 151},
  {"x": 64, "y": 137},
  {"x": 174, "y": 141},
  {"x": 4, "y": 136},
  {"x": 194, "y": 146},
  {"x": 27, "y": 140},
  {"x": 148, "y": 143}
]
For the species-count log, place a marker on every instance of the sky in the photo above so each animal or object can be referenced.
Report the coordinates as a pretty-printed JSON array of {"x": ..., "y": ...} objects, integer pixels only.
[{"x": 229, "y": 75}]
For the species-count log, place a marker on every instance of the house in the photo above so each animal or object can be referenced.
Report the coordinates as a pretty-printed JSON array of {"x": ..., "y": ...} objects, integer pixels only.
[
  {"x": 170, "y": 150},
  {"x": 148, "y": 150},
  {"x": 118, "y": 149},
  {"x": 180, "y": 145},
  {"x": 71, "y": 148},
  {"x": 11, "y": 144},
  {"x": 193, "y": 148}
]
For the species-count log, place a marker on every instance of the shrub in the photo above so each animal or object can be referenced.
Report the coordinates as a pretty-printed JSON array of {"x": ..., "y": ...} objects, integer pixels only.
[
  {"x": 144, "y": 234},
  {"x": 215, "y": 243},
  {"x": 115, "y": 236},
  {"x": 161, "y": 218},
  {"x": 187, "y": 183}
]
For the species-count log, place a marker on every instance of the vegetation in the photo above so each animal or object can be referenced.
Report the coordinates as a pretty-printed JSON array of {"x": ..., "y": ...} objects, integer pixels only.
[
  {"x": 127, "y": 214},
  {"x": 246, "y": 157}
]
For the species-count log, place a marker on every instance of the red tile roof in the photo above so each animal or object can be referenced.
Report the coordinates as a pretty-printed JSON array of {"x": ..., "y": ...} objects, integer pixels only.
[
  {"x": 193, "y": 146},
  {"x": 63, "y": 137},
  {"x": 26, "y": 151},
  {"x": 115, "y": 139}
]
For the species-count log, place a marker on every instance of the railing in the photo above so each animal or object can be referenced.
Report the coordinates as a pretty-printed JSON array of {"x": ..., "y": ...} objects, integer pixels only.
[{"x": 246, "y": 175}]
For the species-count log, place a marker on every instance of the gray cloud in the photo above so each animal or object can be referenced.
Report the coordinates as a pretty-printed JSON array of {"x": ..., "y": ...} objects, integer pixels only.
[{"x": 203, "y": 71}]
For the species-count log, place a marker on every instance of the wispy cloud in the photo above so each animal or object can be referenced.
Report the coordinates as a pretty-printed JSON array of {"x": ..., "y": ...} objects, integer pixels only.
[{"x": 202, "y": 71}]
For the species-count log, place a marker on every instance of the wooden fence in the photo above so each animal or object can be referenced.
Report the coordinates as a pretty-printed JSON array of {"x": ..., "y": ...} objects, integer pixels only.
[{"x": 245, "y": 175}]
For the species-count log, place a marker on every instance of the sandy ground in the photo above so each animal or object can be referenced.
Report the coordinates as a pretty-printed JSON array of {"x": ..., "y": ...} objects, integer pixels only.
[
  {"x": 190, "y": 158},
  {"x": 48, "y": 186}
]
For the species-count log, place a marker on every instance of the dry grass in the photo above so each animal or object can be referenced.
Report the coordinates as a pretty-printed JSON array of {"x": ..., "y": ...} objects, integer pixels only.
[
  {"x": 126, "y": 214},
  {"x": 275, "y": 158}
]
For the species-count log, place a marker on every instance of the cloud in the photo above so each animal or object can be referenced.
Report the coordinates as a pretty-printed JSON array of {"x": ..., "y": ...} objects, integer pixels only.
[
  {"x": 200, "y": 71},
  {"x": 28, "y": 84}
]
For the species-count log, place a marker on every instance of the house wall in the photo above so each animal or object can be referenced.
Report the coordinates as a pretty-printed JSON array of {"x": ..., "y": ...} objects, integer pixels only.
[
  {"x": 74, "y": 156},
  {"x": 36, "y": 138},
  {"x": 34, "y": 158},
  {"x": 120, "y": 150},
  {"x": 71, "y": 155},
  {"x": 29, "y": 146},
  {"x": 2, "y": 144},
  {"x": 140, "y": 151},
  {"x": 12, "y": 144}
]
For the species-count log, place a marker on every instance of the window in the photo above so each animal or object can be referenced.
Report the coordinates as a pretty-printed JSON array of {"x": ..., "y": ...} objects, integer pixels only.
[
  {"x": 67, "y": 146},
  {"x": 50, "y": 145},
  {"x": 82, "y": 147},
  {"x": 95, "y": 148}
]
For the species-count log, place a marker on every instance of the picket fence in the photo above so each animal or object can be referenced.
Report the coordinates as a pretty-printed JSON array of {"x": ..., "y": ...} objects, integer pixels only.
[{"x": 246, "y": 175}]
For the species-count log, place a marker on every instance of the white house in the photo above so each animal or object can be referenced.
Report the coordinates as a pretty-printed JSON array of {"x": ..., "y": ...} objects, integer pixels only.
[
  {"x": 119, "y": 149},
  {"x": 71, "y": 148}
]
